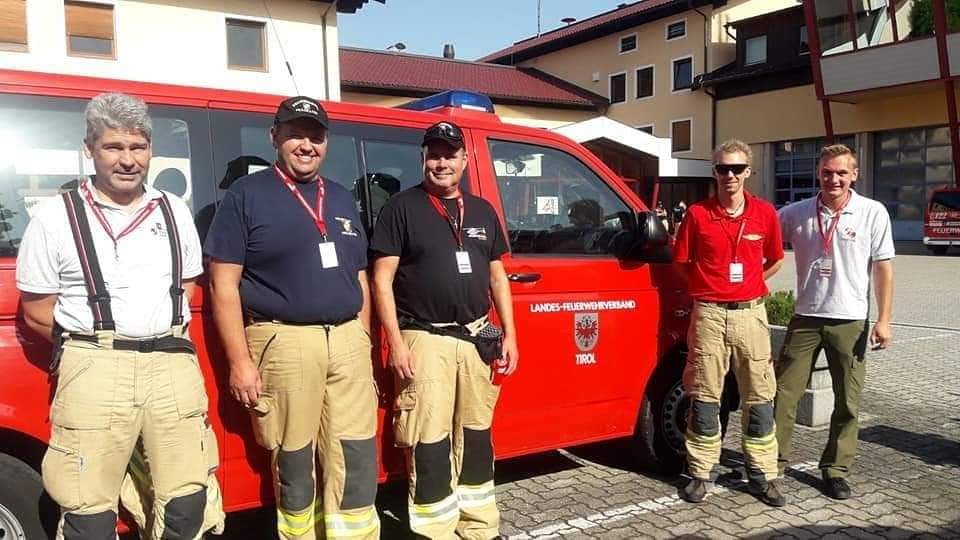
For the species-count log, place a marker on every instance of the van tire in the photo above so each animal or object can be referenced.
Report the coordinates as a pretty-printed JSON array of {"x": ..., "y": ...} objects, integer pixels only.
[
  {"x": 659, "y": 436},
  {"x": 22, "y": 504},
  {"x": 939, "y": 250}
]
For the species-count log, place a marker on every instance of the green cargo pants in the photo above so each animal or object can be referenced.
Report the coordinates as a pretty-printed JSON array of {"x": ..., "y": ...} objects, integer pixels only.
[{"x": 845, "y": 343}]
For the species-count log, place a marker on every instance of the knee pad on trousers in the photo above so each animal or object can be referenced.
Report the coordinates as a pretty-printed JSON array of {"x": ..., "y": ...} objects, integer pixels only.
[
  {"x": 297, "y": 487},
  {"x": 183, "y": 516},
  {"x": 760, "y": 420},
  {"x": 477, "y": 457},
  {"x": 360, "y": 463},
  {"x": 432, "y": 466},
  {"x": 102, "y": 526},
  {"x": 705, "y": 418}
]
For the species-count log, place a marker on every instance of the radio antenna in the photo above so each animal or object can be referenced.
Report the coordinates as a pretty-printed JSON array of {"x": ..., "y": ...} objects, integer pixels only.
[{"x": 283, "y": 53}]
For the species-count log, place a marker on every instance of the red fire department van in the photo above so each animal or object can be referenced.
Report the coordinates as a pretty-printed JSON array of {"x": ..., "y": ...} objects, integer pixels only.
[
  {"x": 941, "y": 223},
  {"x": 601, "y": 318}
]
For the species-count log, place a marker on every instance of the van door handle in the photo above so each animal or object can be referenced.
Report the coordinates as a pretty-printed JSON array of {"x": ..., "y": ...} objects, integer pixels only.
[{"x": 527, "y": 277}]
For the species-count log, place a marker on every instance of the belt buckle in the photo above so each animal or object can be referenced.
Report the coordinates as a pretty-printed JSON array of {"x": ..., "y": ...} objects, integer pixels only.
[{"x": 147, "y": 346}]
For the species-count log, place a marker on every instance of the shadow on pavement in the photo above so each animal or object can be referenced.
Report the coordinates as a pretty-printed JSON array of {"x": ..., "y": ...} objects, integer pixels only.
[{"x": 932, "y": 448}]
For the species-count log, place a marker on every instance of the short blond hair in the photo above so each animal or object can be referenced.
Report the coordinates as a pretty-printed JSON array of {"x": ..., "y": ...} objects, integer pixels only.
[
  {"x": 835, "y": 151},
  {"x": 731, "y": 146}
]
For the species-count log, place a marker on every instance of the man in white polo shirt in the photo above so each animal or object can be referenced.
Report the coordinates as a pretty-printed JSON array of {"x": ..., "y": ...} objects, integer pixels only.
[
  {"x": 841, "y": 241},
  {"x": 106, "y": 271}
]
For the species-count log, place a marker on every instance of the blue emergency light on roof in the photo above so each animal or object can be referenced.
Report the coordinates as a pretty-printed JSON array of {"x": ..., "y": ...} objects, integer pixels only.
[{"x": 451, "y": 98}]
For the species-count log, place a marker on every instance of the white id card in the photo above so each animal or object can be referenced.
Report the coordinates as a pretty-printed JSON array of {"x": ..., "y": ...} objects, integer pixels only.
[
  {"x": 736, "y": 272},
  {"x": 826, "y": 267},
  {"x": 328, "y": 255},
  {"x": 463, "y": 262}
]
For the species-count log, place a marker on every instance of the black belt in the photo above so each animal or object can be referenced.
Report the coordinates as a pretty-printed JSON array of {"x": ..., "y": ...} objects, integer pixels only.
[
  {"x": 149, "y": 345},
  {"x": 735, "y": 305},
  {"x": 300, "y": 323}
]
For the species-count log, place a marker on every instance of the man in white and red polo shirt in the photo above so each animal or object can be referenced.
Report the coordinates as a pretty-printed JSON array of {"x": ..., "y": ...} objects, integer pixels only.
[{"x": 726, "y": 247}]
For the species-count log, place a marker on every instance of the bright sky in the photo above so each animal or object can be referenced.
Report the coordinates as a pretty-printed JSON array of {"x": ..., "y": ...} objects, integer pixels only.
[{"x": 475, "y": 28}]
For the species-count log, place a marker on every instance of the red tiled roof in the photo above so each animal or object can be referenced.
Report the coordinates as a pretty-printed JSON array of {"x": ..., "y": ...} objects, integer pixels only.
[
  {"x": 406, "y": 74},
  {"x": 616, "y": 20}
]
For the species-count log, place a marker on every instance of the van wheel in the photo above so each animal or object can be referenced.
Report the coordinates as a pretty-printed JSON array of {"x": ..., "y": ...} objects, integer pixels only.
[
  {"x": 659, "y": 436},
  {"x": 21, "y": 491},
  {"x": 939, "y": 250}
]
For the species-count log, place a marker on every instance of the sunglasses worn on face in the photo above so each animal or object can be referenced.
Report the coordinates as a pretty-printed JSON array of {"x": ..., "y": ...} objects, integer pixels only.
[{"x": 724, "y": 169}]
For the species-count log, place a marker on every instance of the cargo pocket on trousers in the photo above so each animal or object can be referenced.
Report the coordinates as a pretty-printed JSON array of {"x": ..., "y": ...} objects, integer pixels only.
[
  {"x": 404, "y": 419},
  {"x": 61, "y": 468},
  {"x": 188, "y": 389},
  {"x": 211, "y": 450},
  {"x": 266, "y": 424},
  {"x": 84, "y": 396}
]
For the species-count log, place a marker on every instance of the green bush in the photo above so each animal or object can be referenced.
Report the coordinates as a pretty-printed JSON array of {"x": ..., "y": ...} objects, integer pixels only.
[
  {"x": 780, "y": 307},
  {"x": 921, "y": 17}
]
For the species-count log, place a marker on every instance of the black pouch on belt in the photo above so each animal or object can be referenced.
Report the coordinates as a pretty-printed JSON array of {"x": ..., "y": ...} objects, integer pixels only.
[
  {"x": 488, "y": 341},
  {"x": 57, "y": 347}
]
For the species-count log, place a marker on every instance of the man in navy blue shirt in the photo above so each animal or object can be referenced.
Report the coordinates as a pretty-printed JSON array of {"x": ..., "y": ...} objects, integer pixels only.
[{"x": 290, "y": 299}]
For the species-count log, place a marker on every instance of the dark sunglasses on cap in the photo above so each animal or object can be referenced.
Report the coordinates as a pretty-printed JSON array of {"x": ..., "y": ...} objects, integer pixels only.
[
  {"x": 724, "y": 169},
  {"x": 444, "y": 131}
]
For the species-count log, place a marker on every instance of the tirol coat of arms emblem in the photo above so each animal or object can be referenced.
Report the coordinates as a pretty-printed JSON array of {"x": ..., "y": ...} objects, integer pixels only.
[{"x": 586, "y": 330}]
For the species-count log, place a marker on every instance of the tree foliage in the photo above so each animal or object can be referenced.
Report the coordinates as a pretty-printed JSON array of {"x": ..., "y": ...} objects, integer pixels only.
[{"x": 921, "y": 17}]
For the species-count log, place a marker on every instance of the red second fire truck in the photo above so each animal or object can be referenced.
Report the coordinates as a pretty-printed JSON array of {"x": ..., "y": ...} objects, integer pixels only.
[{"x": 600, "y": 316}]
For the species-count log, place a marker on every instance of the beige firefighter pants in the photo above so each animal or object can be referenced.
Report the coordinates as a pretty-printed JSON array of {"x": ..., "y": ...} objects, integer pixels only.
[
  {"x": 720, "y": 340},
  {"x": 104, "y": 402},
  {"x": 319, "y": 403},
  {"x": 442, "y": 418}
]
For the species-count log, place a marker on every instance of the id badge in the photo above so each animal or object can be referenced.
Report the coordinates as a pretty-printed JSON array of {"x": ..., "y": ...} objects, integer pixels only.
[
  {"x": 736, "y": 272},
  {"x": 826, "y": 267},
  {"x": 328, "y": 255},
  {"x": 463, "y": 262}
]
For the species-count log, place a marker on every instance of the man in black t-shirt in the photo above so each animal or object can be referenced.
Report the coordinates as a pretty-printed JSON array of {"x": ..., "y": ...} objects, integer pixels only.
[
  {"x": 438, "y": 263},
  {"x": 288, "y": 259}
]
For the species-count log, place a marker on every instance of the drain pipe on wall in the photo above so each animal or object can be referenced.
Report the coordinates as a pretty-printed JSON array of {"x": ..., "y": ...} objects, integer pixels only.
[
  {"x": 326, "y": 61},
  {"x": 706, "y": 65}
]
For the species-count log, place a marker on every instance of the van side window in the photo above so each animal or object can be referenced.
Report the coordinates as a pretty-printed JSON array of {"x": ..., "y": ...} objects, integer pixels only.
[
  {"x": 391, "y": 167},
  {"x": 553, "y": 203},
  {"x": 41, "y": 153}
]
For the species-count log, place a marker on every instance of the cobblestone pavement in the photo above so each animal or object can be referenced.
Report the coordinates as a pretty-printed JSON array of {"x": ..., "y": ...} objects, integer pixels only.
[{"x": 906, "y": 480}]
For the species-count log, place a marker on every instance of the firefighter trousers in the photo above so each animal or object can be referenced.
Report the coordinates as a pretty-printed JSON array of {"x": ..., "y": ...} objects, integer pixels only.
[
  {"x": 318, "y": 404},
  {"x": 442, "y": 419},
  {"x": 720, "y": 340},
  {"x": 104, "y": 402}
]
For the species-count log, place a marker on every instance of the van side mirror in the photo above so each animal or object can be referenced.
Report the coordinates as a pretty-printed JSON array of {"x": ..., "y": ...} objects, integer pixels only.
[{"x": 647, "y": 241}]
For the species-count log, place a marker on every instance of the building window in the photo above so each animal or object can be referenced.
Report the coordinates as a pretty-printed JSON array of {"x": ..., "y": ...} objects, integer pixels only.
[
  {"x": 646, "y": 129},
  {"x": 628, "y": 43},
  {"x": 644, "y": 82},
  {"x": 681, "y": 134},
  {"x": 89, "y": 29},
  {"x": 804, "y": 41},
  {"x": 682, "y": 73},
  {"x": 755, "y": 50},
  {"x": 676, "y": 30},
  {"x": 246, "y": 45},
  {"x": 910, "y": 164},
  {"x": 795, "y": 169},
  {"x": 618, "y": 88},
  {"x": 13, "y": 25}
]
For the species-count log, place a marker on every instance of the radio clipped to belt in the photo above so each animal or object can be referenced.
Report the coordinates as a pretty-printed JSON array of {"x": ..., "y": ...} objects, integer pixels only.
[{"x": 485, "y": 336}]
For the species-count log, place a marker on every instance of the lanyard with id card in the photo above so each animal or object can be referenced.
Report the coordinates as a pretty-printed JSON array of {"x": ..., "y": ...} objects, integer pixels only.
[
  {"x": 826, "y": 239},
  {"x": 736, "y": 267},
  {"x": 328, "y": 250},
  {"x": 456, "y": 226}
]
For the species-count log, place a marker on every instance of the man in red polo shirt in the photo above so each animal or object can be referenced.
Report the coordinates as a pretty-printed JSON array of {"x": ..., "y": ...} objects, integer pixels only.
[{"x": 726, "y": 247}]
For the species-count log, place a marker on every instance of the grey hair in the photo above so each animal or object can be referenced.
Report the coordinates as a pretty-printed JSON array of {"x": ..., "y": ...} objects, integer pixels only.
[{"x": 117, "y": 111}]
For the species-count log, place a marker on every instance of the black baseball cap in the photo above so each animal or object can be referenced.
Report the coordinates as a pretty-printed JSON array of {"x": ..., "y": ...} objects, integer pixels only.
[
  {"x": 301, "y": 107},
  {"x": 447, "y": 132}
]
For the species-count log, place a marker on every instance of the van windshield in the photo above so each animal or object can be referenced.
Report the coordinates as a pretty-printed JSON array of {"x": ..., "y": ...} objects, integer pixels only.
[{"x": 945, "y": 201}]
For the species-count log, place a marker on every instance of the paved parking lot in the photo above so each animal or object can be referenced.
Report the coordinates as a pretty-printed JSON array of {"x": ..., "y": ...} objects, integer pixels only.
[{"x": 906, "y": 481}]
